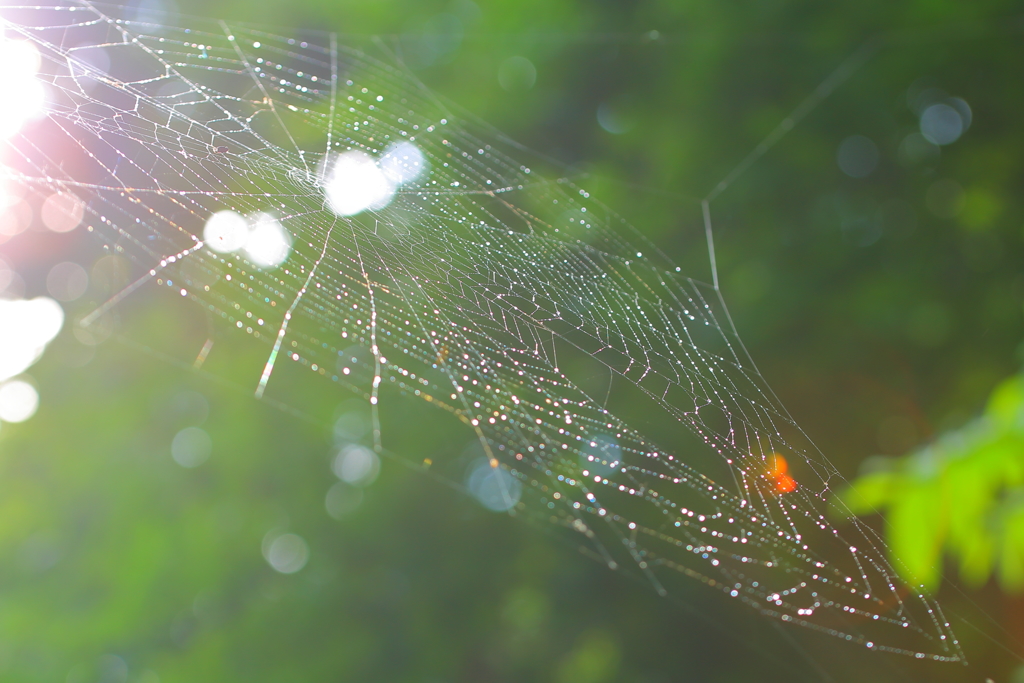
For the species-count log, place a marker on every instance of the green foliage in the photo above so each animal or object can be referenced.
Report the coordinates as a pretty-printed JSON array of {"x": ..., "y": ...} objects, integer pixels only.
[{"x": 963, "y": 495}]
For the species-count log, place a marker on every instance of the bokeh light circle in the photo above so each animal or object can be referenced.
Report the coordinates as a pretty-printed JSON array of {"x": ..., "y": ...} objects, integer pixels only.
[
  {"x": 19, "y": 401},
  {"x": 191, "y": 447},
  {"x": 287, "y": 553}
]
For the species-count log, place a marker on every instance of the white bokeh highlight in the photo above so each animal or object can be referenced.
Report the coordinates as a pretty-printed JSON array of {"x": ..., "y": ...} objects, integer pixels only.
[
  {"x": 67, "y": 281},
  {"x": 357, "y": 183},
  {"x": 285, "y": 553},
  {"x": 191, "y": 447},
  {"x": 62, "y": 212},
  {"x": 941, "y": 124},
  {"x": 403, "y": 163},
  {"x": 268, "y": 243},
  {"x": 260, "y": 237},
  {"x": 355, "y": 464},
  {"x": 342, "y": 499},
  {"x": 19, "y": 401},
  {"x": 26, "y": 327},
  {"x": 225, "y": 232},
  {"x": 19, "y": 84}
]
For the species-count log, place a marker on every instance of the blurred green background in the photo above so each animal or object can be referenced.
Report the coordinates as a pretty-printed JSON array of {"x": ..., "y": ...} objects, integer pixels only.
[{"x": 881, "y": 299}]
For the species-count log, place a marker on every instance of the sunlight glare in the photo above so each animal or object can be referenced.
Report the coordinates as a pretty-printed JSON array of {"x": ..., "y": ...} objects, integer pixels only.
[
  {"x": 260, "y": 236},
  {"x": 21, "y": 62},
  {"x": 15, "y": 218},
  {"x": 268, "y": 243},
  {"x": 7, "y": 278},
  {"x": 357, "y": 184},
  {"x": 225, "y": 231},
  {"x": 26, "y": 327}
]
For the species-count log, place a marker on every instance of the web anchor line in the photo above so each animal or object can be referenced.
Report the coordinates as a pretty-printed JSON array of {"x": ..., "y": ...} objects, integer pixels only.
[{"x": 847, "y": 68}]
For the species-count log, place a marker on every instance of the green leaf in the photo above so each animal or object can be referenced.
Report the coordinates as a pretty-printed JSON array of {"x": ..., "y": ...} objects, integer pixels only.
[
  {"x": 1006, "y": 404},
  {"x": 1011, "y": 557},
  {"x": 917, "y": 529},
  {"x": 868, "y": 494}
]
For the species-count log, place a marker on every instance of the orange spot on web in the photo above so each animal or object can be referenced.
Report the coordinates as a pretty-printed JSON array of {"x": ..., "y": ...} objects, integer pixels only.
[
  {"x": 777, "y": 473},
  {"x": 777, "y": 466},
  {"x": 785, "y": 484}
]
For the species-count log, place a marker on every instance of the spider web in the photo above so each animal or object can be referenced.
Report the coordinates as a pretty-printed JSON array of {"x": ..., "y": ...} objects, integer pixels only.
[{"x": 472, "y": 283}]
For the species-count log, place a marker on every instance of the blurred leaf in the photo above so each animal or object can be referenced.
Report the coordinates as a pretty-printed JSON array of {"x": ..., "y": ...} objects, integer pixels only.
[
  {"x": 961, "y": 495},
  {"x": 869, "y": 494},
  {"x": 916, "y": 531},
  {"x": 1011, "y": 561},
  {"x": 1007, "y": 403}
]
